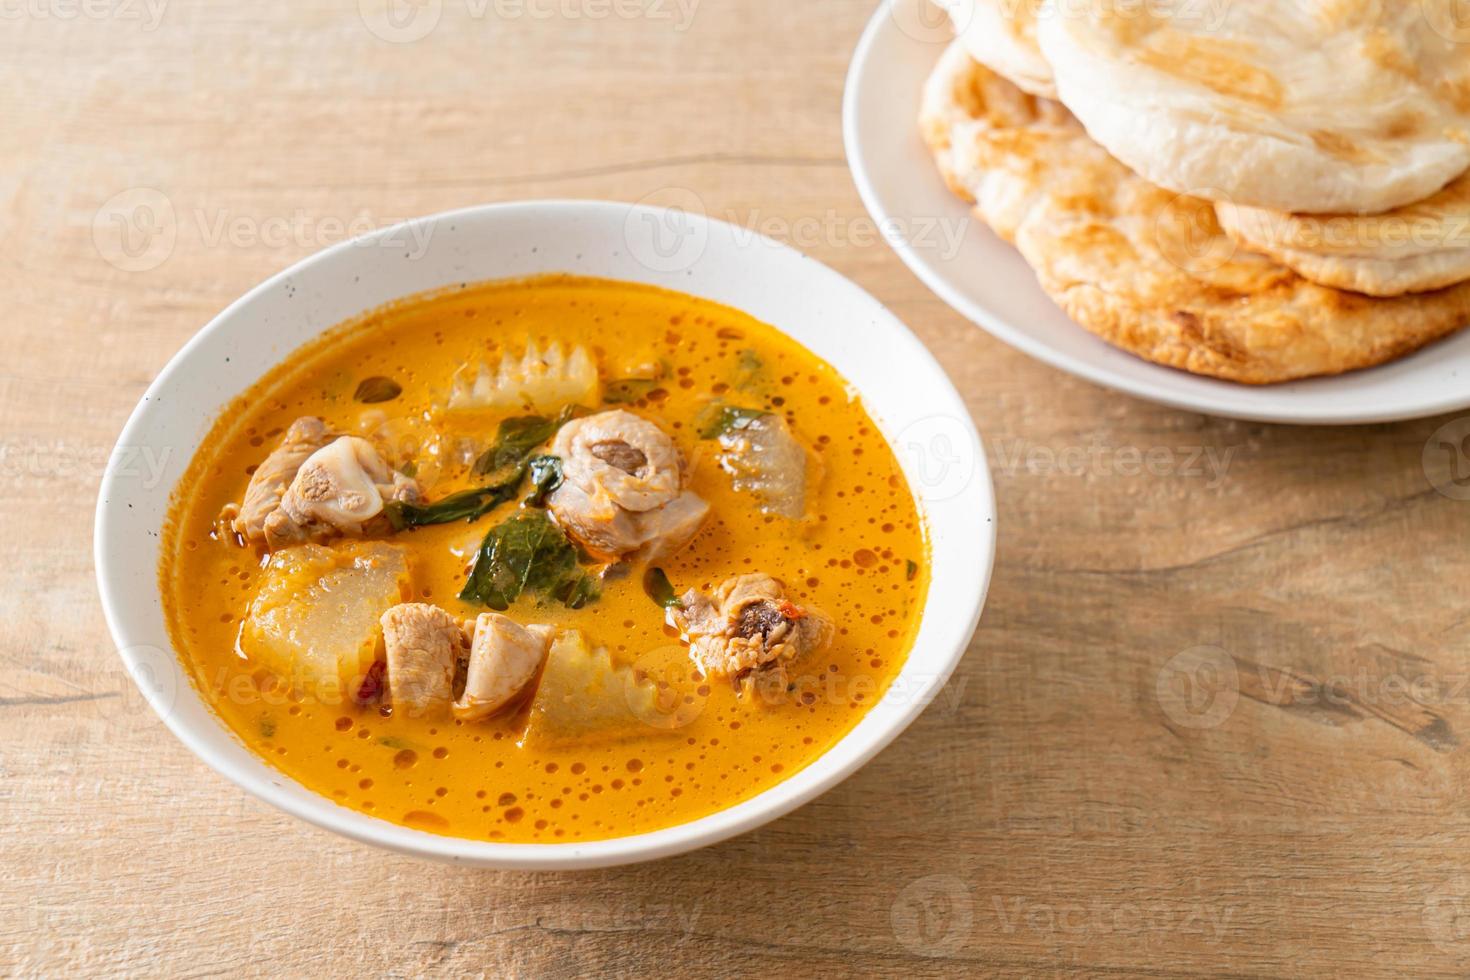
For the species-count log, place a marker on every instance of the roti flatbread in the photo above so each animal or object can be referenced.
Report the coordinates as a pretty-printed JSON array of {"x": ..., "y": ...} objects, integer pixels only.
[
  {"x": 1148, "y": 270},
  {"x": 1315, "y": 106}
]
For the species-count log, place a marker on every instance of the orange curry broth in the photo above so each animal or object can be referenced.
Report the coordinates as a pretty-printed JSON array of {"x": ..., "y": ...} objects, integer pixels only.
[{"x": 860, "y": 555}]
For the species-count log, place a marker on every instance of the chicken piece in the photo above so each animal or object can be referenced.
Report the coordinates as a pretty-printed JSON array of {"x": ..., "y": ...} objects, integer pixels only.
[
  {"x": 505, "y": 658},
  {"x": 622, "y": 493},
  {"x": 337, "y": 490},
  {"x": 748, "y": 625},
  {"x": 423, "y": 643},
  {"x": 668, "y": 528},
  {"x": 632, "y": 460},
  {"x": 314, "y": 484},
  {"x": 590, "y": 517},
  {"x": 765, "y": 459},
  {"x": 271, "y": 478}
]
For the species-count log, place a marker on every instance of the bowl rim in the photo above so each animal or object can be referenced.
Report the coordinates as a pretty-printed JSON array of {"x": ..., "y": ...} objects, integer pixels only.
[
  {"x": 775, "y": 801},
  {"x": 1285, "y": 402}
]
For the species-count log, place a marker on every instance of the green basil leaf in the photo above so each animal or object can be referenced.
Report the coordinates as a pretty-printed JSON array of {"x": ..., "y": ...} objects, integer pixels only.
[
  {"x": 506, "y": 464},
  {"x": 517, "y": 438},
  {"x": 546, "y": 476},
  {"x": 578, "y": 591},
  {"x": 377, "y": 389},
  {"x": 748, "y": 366},
  {"x": 466, "y": 505},
  {"x": 527, "y": 552},
  {"x": 719, "y": 420},
  {"x": 656, "y": 583}
]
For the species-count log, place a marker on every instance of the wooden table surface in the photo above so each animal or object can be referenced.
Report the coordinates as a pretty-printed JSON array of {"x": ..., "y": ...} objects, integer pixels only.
[{"x": 1215, "y": 717}]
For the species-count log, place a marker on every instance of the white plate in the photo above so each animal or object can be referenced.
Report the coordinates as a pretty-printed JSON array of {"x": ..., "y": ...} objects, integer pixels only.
[
  {"x": 986, "y": 280},
  {"x": 901, "y": 385}
]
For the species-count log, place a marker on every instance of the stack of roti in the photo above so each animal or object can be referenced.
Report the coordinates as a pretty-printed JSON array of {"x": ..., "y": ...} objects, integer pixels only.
[{"x": 1255, "y": 190}]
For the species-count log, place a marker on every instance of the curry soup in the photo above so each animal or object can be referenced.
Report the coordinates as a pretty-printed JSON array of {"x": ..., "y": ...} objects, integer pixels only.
[{"x": 606, "y": 700}]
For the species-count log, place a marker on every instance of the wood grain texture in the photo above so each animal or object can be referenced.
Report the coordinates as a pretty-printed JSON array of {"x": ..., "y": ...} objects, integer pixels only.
[{"x": 1075, "y": 802}]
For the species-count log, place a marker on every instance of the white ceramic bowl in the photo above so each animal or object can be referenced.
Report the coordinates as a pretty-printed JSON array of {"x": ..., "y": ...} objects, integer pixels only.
[
  {"x": 903, "y": 388},
  {"x": 986, "y": 280}
]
